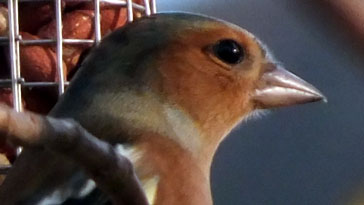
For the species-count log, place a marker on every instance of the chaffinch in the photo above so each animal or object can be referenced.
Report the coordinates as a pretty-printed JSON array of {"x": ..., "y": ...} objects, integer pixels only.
[{"x": 165, "y": 90}]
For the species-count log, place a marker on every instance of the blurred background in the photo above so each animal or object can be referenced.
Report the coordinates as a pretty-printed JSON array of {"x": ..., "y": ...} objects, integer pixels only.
[{"x": 310, "y": 154}]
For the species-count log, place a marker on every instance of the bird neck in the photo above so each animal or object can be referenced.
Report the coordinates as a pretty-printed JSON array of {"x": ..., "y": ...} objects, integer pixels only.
[{"x": 169, "y": 173}]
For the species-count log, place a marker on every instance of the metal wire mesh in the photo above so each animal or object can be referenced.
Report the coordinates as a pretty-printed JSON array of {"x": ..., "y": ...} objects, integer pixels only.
[{"x": 14, "y": 40}]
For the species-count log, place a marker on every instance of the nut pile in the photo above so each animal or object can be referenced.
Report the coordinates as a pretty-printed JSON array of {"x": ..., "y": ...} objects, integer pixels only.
[{"x": 38, "y": 63}]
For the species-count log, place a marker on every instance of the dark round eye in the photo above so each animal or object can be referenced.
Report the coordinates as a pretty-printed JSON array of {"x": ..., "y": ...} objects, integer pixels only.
[{"x": 229, "y": 51}]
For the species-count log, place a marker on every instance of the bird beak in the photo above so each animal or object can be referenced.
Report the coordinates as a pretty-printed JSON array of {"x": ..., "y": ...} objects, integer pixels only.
[{"x": 278, "y": 87}]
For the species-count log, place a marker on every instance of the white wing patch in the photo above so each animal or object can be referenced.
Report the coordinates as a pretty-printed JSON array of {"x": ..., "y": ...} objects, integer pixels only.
[
  {"x": 149, "y": 184},
  {"x": 129, "y": 152},
  {"x": 150, "y": 188}
]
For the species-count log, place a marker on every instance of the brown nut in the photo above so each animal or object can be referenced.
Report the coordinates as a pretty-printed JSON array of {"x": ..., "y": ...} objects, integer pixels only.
[
  {"x": 38, "y": 63},
  {"x": 33, "y": 15},
  {"x": 111, "y": 16},
  {"x": 76, "y": 25},
  {"x": 4, "y": 27},
  {"x": 112, "y": 19}
]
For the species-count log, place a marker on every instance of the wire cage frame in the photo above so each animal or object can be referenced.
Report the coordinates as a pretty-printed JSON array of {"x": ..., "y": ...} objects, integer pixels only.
[{"x": 14, "y": 40}]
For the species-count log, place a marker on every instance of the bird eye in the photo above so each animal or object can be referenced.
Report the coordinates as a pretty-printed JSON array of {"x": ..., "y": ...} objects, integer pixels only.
[{"x": 228, "y": 51}]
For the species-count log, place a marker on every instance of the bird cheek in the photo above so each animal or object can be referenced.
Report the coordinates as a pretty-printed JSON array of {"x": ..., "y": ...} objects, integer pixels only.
[{"x": 224, "y": 81}]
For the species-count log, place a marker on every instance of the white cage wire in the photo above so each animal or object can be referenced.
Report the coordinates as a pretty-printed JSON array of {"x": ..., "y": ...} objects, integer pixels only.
[{"x": 14, "y": 40}]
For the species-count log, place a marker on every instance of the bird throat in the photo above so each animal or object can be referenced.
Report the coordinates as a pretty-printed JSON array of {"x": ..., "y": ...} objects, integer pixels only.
[{"x": 169, "y": 174}]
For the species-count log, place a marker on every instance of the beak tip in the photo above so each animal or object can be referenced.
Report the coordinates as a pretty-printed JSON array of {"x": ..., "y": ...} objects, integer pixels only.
[
  {"x": 318, "y": 96},
  {"x": 323, "y": 99}
]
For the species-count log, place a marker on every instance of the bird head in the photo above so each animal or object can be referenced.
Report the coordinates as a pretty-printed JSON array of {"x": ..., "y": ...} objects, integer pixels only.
[{"x": 188, "y": 77}]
